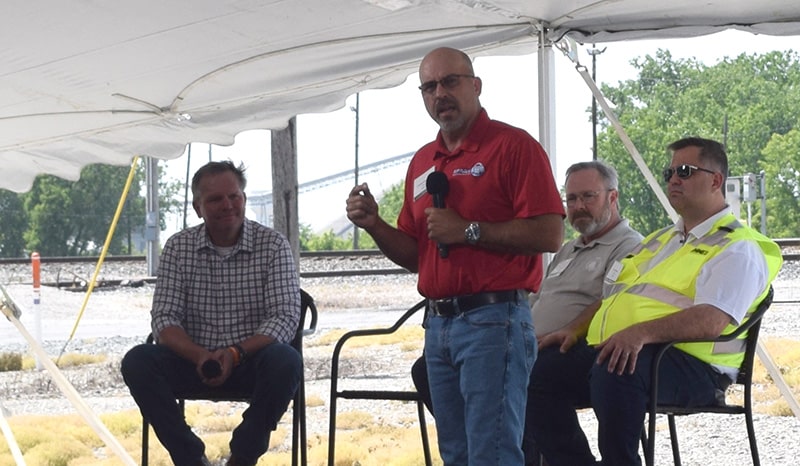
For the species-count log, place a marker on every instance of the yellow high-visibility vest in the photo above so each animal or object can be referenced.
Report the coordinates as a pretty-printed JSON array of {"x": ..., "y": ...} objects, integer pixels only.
[{"x": 669, "y": 286}]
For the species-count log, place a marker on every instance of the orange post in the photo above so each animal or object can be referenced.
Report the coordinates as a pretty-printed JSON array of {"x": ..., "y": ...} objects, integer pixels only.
[{"x": 36, "y": 265}]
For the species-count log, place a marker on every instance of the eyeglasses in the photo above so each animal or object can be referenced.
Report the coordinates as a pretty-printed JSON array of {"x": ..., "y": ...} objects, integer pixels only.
[
  {"x": 683, "y": 171},
  {"x": 587, "y": 197},
  {"x": 448, "y": 82}
]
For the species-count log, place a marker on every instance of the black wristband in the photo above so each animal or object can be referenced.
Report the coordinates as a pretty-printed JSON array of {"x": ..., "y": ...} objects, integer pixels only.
[{"x": 241, "y": 351}]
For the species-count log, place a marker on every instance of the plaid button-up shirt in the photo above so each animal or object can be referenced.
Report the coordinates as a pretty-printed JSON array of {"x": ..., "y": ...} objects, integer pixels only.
[{"x": 221, "y": 300}]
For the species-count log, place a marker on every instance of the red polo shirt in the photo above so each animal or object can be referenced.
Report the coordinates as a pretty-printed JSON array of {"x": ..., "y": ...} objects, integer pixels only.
[{"x": 499, "y": 173}]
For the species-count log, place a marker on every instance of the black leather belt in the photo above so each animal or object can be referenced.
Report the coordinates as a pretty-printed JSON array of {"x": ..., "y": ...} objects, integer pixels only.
[{"x": 448, "y": 307}]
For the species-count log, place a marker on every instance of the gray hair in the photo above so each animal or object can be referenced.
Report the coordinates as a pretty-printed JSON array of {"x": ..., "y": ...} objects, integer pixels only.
[{"x": 606, "y": 171}]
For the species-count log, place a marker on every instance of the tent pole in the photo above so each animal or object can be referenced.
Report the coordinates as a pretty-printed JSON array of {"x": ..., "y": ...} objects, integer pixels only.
[
  {"x": 151, "y": 216},
  {"x": 547, "y": 98}
]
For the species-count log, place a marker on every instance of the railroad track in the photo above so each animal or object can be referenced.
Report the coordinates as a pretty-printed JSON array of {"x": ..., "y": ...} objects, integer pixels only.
[
  {"x": 313, "y": 264},
  {"x": 789, "y": 246},
  {"x": 74, "y": 272},
  {"x": 304, "y": 255}
]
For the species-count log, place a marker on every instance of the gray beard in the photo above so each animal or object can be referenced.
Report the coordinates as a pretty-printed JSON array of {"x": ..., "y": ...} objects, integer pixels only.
[
  {"x": 588, "y": 229},
  {"x": 448, "y": 126}
]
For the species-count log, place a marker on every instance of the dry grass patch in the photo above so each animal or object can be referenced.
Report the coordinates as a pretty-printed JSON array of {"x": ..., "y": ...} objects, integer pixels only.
[
  {"x": 50, "y": 440},
  {"x": 406, "y": 336},
  {"x": 314, "y": 401},
  {"x": 60, "y": 453},
  {"x": 67, "y": 360},
  {"x": 208, "y": 416},
  {"x": 352, "y": 420},
  {"x": 382, "y": 446},
  {"x": 126, "y": 423},
  {"x": 767, "y": 399},
  {"x": 15, "y": 361},
  {"x": 10, "y": 362}
]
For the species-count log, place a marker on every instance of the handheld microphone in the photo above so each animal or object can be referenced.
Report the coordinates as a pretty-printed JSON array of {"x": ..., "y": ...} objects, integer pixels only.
[
  {"x": 438, "y": 185},
  {"x": 211, "y": 369}
]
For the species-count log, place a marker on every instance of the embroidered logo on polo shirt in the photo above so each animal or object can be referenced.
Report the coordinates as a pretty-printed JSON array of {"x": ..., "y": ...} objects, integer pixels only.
[{"x": 477, "y": 170}]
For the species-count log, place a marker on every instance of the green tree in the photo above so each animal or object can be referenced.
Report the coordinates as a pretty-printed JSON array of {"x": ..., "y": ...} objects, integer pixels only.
[
  {"x": 171, "y": 198},
  {"x": 328, "y": 241},
  {"x": 72, "y": 218},
  {"x": 781, "y": 164},
  {"x": 389, "y": 208},
  {"x": 12, "y": 228},
  {"x": 742, "y": 102}
]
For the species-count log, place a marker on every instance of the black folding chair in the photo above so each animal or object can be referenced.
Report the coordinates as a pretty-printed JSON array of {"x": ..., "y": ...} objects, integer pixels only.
[
  {"x": 752, "y": 326},
  {"x": 410, "y": 395},
  {"x": 299, "y": 436}
]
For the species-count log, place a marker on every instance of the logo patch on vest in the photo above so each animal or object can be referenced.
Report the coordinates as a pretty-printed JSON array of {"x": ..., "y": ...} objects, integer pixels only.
[{"x": 699, "y": 251}]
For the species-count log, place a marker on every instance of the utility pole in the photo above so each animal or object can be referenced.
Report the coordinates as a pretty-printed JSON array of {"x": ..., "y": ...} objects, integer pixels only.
[
  {"x": 356, "y": 109},
  {"x": 594, "y": 53}
]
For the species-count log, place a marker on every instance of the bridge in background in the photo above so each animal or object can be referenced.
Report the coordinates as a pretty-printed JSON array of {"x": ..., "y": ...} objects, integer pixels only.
[{"x": 261, "y": 201}]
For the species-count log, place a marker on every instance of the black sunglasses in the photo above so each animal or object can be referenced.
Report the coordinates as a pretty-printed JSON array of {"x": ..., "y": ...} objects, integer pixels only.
[{"x": 683, "y": 171}]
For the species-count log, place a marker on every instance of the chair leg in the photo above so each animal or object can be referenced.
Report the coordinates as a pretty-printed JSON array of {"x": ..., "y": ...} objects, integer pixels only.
[
  {"x": 751, "y": 435},
  {"x": 295, "y": 426},
  {"x": 332, "y": 424},
  {"x": 673, "y": 439},
  {"x": 644, "y": 446},
  {"x": 649, "y": 440},
  {"x": 145, "y": 440},
  {"x": 146, "y": 435},
  {"x": 299, "y": 438},
  {"x": 301, "y": 395},
  {"x": 423, "y": 429}
]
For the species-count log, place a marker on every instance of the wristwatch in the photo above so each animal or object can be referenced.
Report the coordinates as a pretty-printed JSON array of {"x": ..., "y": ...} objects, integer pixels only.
[{"x": 473, "y": 233}]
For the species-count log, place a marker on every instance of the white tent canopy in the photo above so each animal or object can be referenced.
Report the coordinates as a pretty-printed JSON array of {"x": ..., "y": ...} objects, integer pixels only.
[{"x": 100, "y": 82}]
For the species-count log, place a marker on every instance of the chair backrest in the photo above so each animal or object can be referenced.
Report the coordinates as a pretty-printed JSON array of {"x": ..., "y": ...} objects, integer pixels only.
[
  {"x": 307, "y": 306},
  {"x": 754, "y": 328}
]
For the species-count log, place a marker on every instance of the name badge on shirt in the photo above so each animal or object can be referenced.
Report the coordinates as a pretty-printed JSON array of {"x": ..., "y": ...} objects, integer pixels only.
[
  {"x": 613, "y": 272},
  {"x": 420, "y": 182},
  {"x": 559, "y": 268}
]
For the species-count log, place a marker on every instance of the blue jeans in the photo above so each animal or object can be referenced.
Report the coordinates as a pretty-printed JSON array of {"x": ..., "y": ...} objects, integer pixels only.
[
  {"x": 478, "y": 365},
  {"x": 155, "y": 376},
  {"x": 562, "y": 382}
]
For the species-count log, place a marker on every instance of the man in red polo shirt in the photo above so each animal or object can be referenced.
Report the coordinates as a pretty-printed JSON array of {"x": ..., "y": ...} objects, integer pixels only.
[{"x": 477, "y": 259}]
